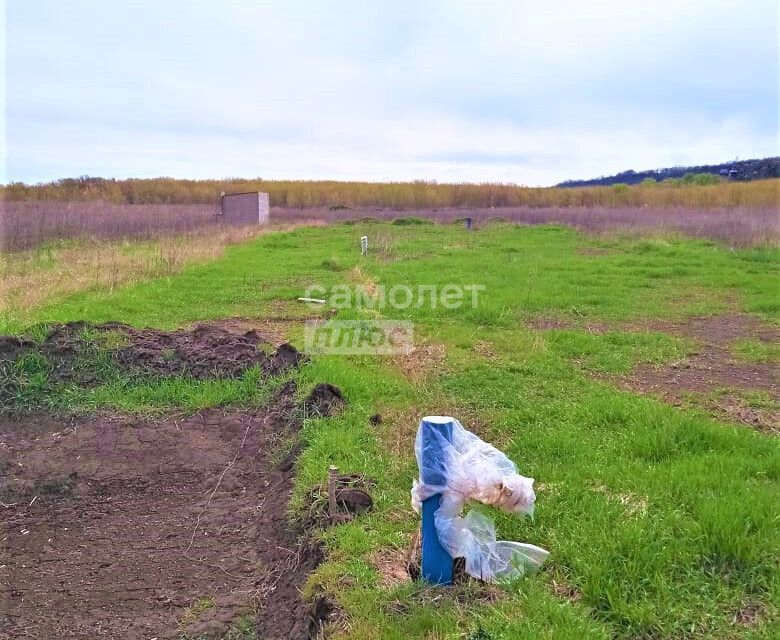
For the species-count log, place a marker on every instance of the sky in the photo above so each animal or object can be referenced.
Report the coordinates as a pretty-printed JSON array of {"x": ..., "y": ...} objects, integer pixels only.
[{"x": 523, "y": 92}]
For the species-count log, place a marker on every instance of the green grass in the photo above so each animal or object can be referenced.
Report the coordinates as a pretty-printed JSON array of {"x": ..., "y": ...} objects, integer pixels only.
[
  {"x": 195, "y": 610},
  {"x": 151, "y": 395},
  {"x": 757, "y": 351},
  {"x": 759, "y": 400},
  {"x": 661, "y": 522},
  {"x": 614, "y": 351},
  {"x": 410, "y": 220},
  {"x": 98, "y": 382}
]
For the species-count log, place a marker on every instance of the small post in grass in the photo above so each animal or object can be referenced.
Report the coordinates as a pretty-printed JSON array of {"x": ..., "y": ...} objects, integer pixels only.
[
  {"x": 436, "y": 561},
  {"x": 333, "y": 509}
]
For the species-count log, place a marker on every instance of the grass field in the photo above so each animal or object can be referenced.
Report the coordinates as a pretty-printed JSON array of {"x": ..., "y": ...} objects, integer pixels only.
[
  {"x": 662, "y": 521},
  {"x": 28, "y": 225}
]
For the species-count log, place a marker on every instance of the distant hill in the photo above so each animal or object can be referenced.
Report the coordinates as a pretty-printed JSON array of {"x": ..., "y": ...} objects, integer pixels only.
[{"x": 738, "y": 170}]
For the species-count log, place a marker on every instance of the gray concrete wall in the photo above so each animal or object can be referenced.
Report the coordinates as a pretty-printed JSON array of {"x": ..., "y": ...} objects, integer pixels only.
[{"x": 245, "y": 208}]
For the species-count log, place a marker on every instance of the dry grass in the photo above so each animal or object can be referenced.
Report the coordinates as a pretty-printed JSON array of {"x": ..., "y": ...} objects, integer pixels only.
[
  {"x": 29, "y": 279},
  {"x": 27, "y": 224},
  {"x": 421, "y": 363},
  {"x": 391, "y": 566},
  {"x": 401, "y": 195},
  {"x": 738, "y": 226},
  {"x": 634, "y": 505},
  {"x": 397, "y": 430}
]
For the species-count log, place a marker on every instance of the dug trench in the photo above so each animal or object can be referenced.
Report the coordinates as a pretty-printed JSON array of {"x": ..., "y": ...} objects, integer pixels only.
[{"x": 173, "y": 527}]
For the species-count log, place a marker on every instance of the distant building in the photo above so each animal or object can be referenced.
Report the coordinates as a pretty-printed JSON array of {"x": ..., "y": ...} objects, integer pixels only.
[{"x": 251, "y": 207}]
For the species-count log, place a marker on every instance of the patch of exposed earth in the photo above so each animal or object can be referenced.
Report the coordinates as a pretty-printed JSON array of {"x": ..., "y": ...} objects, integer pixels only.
[
  {"x": 205, "y": 351},
  {"x": 136, "y": 527},
  {"x": 125, "y": 527},
  {"x": 709, "y": 375}
]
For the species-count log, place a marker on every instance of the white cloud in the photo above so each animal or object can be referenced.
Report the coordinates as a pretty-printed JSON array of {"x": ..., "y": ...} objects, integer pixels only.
[{"x": 518, "y": 92}]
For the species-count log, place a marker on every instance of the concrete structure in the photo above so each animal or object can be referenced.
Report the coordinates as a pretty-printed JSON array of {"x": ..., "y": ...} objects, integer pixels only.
[{"x": 244, "y": 208}]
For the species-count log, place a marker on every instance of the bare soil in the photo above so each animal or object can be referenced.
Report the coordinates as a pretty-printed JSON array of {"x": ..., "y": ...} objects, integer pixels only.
[
  {"x": 205, "y": 351},
  {"x": 124, "y": 527},
  {"x": 133, "y": 527},
  {"x": 324, "y": 400},
  {"x": 709, "y": 375},
  {"x": 77, "y": 352}
]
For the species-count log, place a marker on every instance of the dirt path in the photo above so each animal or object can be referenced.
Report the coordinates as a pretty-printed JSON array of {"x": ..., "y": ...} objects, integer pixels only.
[
  {"x": 119, "y": 527},
  {"x": 710, "y": 374}
]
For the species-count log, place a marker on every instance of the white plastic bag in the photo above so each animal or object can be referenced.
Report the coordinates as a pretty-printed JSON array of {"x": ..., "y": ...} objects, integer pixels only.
[{"x": 470, "y": 469}]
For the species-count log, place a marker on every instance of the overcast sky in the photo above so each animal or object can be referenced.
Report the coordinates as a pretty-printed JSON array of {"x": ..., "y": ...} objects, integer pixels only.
[{"x": 528, "y": 92}]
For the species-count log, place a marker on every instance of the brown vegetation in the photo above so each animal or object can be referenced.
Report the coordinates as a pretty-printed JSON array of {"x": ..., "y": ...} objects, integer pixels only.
[
  {"x": 28, "y": 224},
  {"x": 24, "y": 225},
  {"x": 32, "y": 277},
  {"x": 406, "y": 195}
]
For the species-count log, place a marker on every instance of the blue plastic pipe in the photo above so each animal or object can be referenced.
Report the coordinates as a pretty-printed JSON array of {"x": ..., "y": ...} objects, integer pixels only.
[{"x": 436, "y": 562}]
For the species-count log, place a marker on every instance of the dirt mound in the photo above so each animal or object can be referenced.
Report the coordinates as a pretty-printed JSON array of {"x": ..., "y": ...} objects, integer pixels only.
[
  {"x": 206, "y": 351},
  {"x": 286, "y": 357},
  {"x": 351, "y": 494},
  {"x": 203, "y": 352},
  {"x": 11, "y": 347},
  {"x": 133, "y": 528},
  {"x": 324, "y": 400}
]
